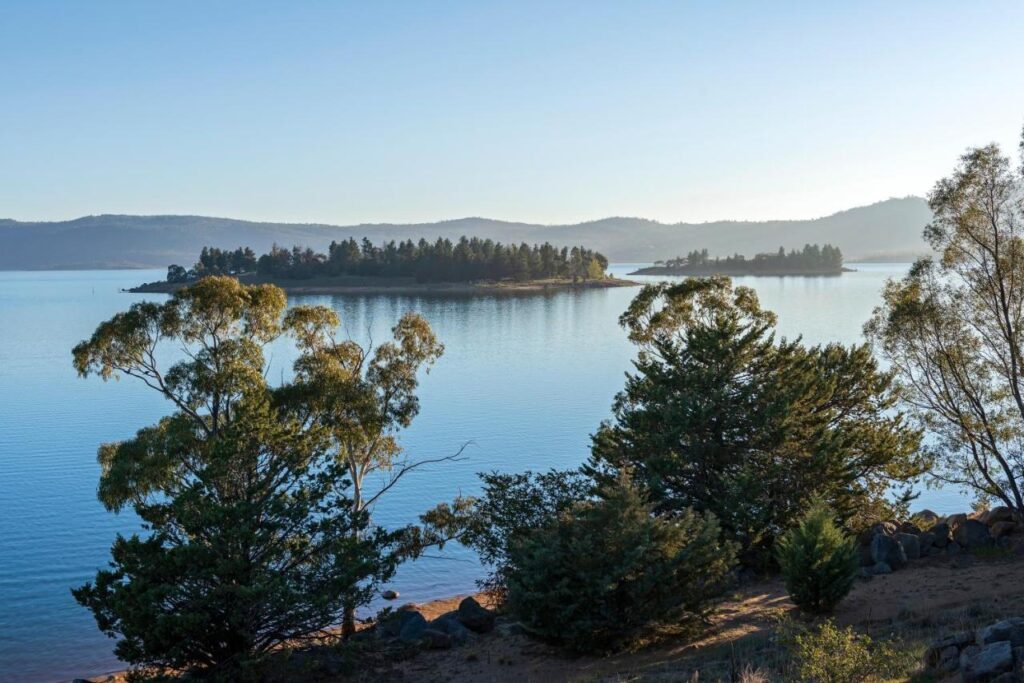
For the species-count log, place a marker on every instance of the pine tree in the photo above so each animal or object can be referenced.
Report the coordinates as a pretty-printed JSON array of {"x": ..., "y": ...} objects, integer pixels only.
[{"x": 818, "y": 561}]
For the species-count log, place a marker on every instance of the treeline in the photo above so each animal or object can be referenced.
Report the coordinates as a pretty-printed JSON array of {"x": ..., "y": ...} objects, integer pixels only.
[
  {"x": 811, "y": 258},
  {"x": 466, "y": 260}
]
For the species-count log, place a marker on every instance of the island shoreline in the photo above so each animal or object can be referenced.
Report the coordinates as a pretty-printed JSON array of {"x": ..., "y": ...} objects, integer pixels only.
[{"x": 302, "y": 287}]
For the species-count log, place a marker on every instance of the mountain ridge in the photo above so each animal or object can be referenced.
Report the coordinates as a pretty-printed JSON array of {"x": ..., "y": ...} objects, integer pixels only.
[{"x": 888, "y": 229}]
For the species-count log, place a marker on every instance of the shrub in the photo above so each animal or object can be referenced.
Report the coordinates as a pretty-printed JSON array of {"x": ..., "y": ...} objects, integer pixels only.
[
  {"x": 818, "y": 561},
  {"x": 830, "y": 654},
  {"x": 510, "y": 507},
  {"x": 607, "y": 572}
]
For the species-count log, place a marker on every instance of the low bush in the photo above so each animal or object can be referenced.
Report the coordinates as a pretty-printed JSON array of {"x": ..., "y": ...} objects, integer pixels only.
[
  {"x": 818, "y": 561},
  {"x": 607, "y": 573},
  {"x": 829, "y": 654}
]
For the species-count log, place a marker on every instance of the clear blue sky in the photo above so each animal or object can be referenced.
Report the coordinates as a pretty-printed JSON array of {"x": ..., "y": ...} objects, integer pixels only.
[{"x": 549, "y": 111}]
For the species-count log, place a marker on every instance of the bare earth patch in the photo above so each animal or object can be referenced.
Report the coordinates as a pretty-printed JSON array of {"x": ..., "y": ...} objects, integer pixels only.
[{"x": 914, "y": 606}]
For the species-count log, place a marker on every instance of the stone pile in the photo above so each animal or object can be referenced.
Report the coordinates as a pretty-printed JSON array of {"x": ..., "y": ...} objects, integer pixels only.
[
  {"x": 993, "y": 654},
  {"x": 889, "y": 546},
  {"x": 407, "y": 625}
]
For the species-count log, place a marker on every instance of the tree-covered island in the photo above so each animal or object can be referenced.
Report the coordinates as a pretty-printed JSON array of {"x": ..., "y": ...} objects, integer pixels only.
[
  {"x": 811, "y": 260},
  {"x": 468, "y": 264}
]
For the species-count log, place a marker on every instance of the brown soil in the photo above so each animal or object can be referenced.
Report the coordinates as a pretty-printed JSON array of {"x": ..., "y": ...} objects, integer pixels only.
[{"x": 916, "y": 605}]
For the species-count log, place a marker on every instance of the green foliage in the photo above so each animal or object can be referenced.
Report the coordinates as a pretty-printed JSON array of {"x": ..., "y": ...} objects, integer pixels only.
[
  {"x": 830, "y": 654},
  {"x": 818, "y": 561},
  {"x": 952, "y": 328},
  {"x": 607, "y": 572},
  {"x": 510, "y": 507},
  {"x": 439, "y": 261},
  {"x": 721, "y": 417},
  {"x": 812, "y": 259},
  {"x": 252, "y": 539}
]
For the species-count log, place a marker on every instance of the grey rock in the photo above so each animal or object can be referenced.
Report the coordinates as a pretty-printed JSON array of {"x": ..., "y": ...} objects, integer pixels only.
[
  {"x": 984, "y": 664},
  {"x": 1011, "y": 630},
  {"x": 390, "y": 595},
  {"x": 926, "y": 518},
  {"x": 888, "y": 550},
  {"x": 942, "y": 534},
  {"x": 864, "y": 554},
  {"x": 972, "y": 534},
  {"x": 1001, "y": 529},
  {"x": 911, "y": 545},
  {"x": 956, "y": 520},
  {"x": 413, "y": 629},
  {"x": 908, "y": 528},
  {"x": 953, "y": 549},
  {"x": 436, "y": 640},
  {"x": 393, "y": 624},
  {"x": 926, "y": 541},
  {"x": 1000, "y": 514},
  {"x": 449, "y": 623},
  {"x": 474, "y": 617},
  {"x": 935, "y": 550}
]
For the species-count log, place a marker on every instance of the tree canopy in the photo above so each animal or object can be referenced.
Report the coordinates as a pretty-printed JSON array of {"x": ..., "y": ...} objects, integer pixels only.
[
  {"x": 811, "y": 259},
  {"x": 465, "y": 260},
  {"x": 952, "y": 328},
  {"x": 254, "y": 538},
  {"x": 721, "y": 417}
]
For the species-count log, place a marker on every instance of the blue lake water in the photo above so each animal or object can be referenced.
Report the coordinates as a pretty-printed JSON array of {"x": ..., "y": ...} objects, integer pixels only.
[{"x": 525, "y": 379}]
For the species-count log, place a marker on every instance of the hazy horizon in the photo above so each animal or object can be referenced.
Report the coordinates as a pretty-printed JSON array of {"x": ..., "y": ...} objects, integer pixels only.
[
  {"x": 350, "y": 113},
  {"x": 456, "y": 219}
]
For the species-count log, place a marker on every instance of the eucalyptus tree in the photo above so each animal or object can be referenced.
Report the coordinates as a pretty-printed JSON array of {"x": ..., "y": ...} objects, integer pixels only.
[
  {"x": 953, "y": 328},
  {"x": 362, "y": 397},
  {"x": 252, "y": 539}
]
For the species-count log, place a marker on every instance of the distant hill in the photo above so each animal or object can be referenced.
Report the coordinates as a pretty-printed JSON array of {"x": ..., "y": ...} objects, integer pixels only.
[{"x": 888, "y": 230}]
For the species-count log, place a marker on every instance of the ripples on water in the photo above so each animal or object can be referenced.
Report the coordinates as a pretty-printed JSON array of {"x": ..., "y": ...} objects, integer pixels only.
[{"x": 526, "y": 379}]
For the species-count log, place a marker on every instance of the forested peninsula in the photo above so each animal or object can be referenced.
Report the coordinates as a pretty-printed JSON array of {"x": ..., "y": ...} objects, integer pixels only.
[
  {"x": 811, "y": 260},
  {"x": 466, "y": 265}
]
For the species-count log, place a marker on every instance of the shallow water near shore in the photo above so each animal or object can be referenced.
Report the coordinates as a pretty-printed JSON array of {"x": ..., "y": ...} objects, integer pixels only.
[{"x": 525, "y": 379}]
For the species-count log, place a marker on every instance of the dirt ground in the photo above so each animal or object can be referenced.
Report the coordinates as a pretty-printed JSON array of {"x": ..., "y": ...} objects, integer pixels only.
[{"x": 914, "y": 606}]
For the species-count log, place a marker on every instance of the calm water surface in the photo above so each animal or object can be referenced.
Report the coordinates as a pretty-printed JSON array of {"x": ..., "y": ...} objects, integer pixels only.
[{"x": 525, "y": 379}]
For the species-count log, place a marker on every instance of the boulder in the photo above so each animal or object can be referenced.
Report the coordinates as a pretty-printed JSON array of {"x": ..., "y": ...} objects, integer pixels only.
[
  {"x": 942, "y": 534},
  {"x": 972, "y": 534},
  {"x": 1000, "y": 514},
  {"x": 436, "y": 640},
  {"x": 474, "y": 617},
  {"x": 393, "y": 624},
  {"x": 911, "y": 545},
  {"x": 926, "y": 541},
  {"x": 945, "y": 650},
  {"x": 956, "y": 520},
  {"x": 926, "y": 518},
  {"x": 953, "y": 549},
  {"x": 864, "y": 554},
  {"x": 1011, "y": 630},
  {"x": 908, "y": 528},
  {"x": 1001, "y": 529},
  {"x": 888, "y": 550},
  {"x": 984, "y": 664},
  {"x": 390, "y": 595},
  {"x": 449, "y": 623},
  {"x": 413, "y": 629},
  {"x": 880, "y": 568}
]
